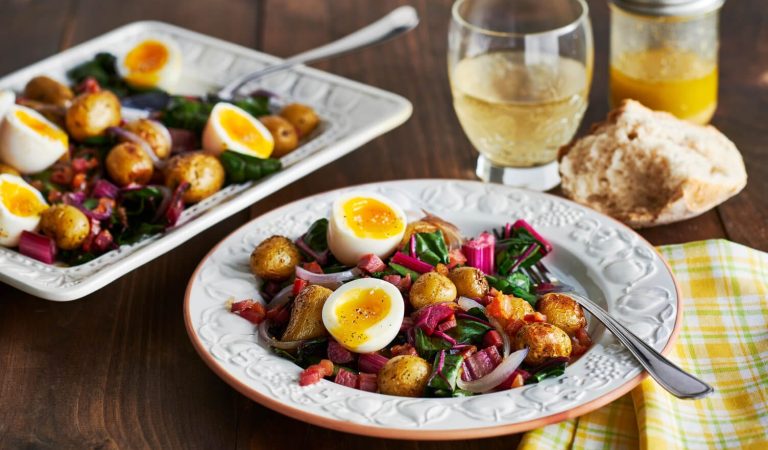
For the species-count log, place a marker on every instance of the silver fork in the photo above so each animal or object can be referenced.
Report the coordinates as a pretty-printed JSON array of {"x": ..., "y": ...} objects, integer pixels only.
[{"x": 678, "y": 382}]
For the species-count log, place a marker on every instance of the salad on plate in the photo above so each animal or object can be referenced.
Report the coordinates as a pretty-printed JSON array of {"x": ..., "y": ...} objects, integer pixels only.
[
  {"x": 80, "y": 177},
  {"x": 367, "y": 299}
]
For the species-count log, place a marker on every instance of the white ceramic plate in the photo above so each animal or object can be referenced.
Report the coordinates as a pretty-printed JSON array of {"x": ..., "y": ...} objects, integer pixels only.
[
  {"x": 605, "y": 259},
  {"x": 351, "y": 113}
]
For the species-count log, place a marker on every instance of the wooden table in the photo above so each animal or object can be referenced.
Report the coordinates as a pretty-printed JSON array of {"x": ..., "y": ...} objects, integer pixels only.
[{"x": 116, "y": 369}]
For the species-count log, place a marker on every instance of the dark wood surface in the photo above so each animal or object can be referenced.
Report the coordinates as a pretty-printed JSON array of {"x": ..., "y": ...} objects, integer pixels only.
[{"x": 116, "y": 369}]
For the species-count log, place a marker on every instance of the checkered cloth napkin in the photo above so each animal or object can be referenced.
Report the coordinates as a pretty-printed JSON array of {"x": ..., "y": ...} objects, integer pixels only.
[{"x": 724, "y": 340}]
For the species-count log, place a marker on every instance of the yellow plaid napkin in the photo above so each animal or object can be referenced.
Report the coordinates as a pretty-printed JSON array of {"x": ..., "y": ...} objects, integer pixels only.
[{"x": 724, "y": 340}]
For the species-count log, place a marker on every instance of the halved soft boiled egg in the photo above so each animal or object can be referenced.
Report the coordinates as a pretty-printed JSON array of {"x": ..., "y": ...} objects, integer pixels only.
[
  {"x": 20, "y": 208},
  {"x": 364, "y": 315},
  {"x": 153, "y": 62},
  {"x": 232, "y": 128},
  {"x": 363, "y": 223},
  {"x": 29, "y": 142},
  {"x": 7, "y": 99}
]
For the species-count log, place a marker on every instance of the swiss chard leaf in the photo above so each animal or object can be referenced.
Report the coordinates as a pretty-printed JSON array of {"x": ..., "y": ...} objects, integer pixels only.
[
  {"x": 186, "y": 113},
  {"x": 102, "y": 68},
  {"x": 549, "y": 372},
  {"x": 428, "y": 346},
  {"x": 316, "y": 236},
  {"x": 469, "y": 331},
  {"x": 255, "y": 106},
  {"x": 514, "y": 284},
  {"x": 241, "y": 168},
  {"x": 445, "y": 378},
  {"x": 431, "y": 248},
  {"x": 477, "y": 312},
  {"x": 521, "y": 250}
]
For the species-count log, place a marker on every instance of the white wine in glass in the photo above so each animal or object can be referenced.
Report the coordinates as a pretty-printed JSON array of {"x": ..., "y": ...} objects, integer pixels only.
[{"x": 518, "y": 91}]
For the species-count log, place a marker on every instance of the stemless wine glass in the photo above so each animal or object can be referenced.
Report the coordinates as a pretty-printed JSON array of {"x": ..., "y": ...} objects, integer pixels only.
[{"x": 520, "y": 72}]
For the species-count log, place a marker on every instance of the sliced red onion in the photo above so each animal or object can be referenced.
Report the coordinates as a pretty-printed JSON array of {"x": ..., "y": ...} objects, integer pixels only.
[
  {"x": 329, "y": 280},
  {"x": 176, "y": 205},
  {"x": 467, "y": 303},
  {"x": 451, "y": 233},
  {"x": 125, "y": 135},
  {"x": 37, "y": 246},
  {"x": 104, "y": 188},
  {"x": 504, "y": 337},
  {"x": 272, "y": 342},
  {"x": 412, "y": 245},
  {"x": 74, "y": 198},
  {"x": 497, "y": 375},
  {"x": 281, "y": 298}
]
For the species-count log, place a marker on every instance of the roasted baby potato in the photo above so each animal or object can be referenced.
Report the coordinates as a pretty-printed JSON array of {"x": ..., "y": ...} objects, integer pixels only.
[
  {"x": 202, "y": 171},
  {"x": 563, "y": 312},
  {"x": 469, "y": 281},
  {"x": 307, "y": 315},
  {"x": 4, "y": 168},
  {"x": 544, "y": 341},
  {"x": 431, "y": 288},
  {"x": 275, "y": 259},
  {"x": 92, "y": 113},
  {"x": 129, "y": 163},
  {"x": 154, "y": 133},
  {"x": 283, "y": 132},
  {"x": 404, "y": 375},
  {"x": 66, "y": 225},
  {"x": 302, "y": 117},
  {"x": 47, "y": 90}
]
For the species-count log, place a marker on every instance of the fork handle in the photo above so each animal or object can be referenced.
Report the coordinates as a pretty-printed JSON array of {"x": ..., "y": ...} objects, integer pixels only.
[
  {"x": 674, "y": 379},
  {"x": 397, "y": 22}
]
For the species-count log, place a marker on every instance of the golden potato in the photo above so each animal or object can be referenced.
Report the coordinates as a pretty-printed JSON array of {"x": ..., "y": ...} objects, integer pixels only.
[
  {"x": 431, "y": 288},
  {"x": 307, "y": 314},
  {"x": 154, "y": 133},
  {"x": 563, "y": 312},
  {"x": 92, "y": 113},
  {"x": 544, "y": 341},
  {"x": 66, "y": 225},
  {"x": 47, "y": 90},
  {"x": 404, "y": 375},
  {"x": 202, "y": 171},
  {"x": 469, "y": 281},
  {"x": 302, "y": 117},
  {"x": 4, "y": 168},
  {"x": 275, "y": 259},
  {"x": 129, "y": 163},
  {"x": 283, "y": 132}
]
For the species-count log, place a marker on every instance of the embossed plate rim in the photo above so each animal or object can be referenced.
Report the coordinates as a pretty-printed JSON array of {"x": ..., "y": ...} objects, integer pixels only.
[
  {"x": 354, "y": 113},
  {"x": 458, "y": 419}
]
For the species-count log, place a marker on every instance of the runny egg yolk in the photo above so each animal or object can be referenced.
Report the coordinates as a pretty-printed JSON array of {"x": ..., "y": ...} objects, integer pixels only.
[
  {"x": 20, "y": 201},
  {"x": 145, "y": 60},
  {"x": 359, "y": 310},
  {"x": 241, "y": 130},
  {"x": 372, "y": 219},
  {"x": 41, "y": 128}
]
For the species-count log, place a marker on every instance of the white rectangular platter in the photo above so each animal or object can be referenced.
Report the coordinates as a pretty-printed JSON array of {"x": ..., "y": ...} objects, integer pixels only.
[{"x": 351, "y": 114}]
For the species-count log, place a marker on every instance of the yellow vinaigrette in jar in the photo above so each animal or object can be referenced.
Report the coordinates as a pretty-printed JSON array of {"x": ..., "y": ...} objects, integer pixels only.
[{"x": 680, "y": 82}]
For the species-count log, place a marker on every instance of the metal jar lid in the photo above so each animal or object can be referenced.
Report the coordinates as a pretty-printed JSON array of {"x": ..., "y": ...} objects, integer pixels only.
[{"x": 669, "y": 7}]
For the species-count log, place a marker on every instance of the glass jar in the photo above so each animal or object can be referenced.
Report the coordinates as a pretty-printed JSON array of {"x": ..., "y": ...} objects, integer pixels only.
[{"x": 664, "y": 54}]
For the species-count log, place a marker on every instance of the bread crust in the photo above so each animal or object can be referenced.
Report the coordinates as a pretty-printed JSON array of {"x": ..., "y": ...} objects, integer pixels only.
[{"x": 649, "y": 168}]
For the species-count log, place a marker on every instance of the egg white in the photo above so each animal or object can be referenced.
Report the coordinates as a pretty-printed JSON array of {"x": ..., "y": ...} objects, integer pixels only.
[
  {"x": 347, "y": 247},
  {"x": 7, "y": 99},
  {"x": 215, "y": 136},
  {"x": 11, "y": 225},
  {"x": 23, "y": 148},
  {"x": 167, "y": 76},
  {"x": 381, "y": 333}
]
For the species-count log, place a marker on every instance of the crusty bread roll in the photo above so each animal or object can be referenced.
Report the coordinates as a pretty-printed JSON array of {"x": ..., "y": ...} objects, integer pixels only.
[{"x": 649, "y": 168}]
